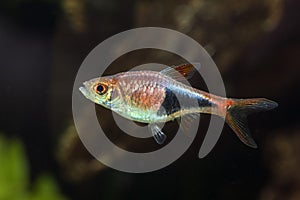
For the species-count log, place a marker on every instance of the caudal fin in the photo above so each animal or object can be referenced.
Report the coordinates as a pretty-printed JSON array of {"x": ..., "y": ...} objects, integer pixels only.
[{"x": 237, "y": 112}]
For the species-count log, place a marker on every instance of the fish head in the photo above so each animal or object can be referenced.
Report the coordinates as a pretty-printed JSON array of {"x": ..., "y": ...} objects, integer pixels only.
[{"x": 100, "y": 90}]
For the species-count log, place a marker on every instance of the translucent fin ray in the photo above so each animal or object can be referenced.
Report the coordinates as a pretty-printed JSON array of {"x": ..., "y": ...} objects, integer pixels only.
[
  {"x": 158, "y": 135},
  {"x": 180, "y": 72},
  {"x": 238, "y": 111}
]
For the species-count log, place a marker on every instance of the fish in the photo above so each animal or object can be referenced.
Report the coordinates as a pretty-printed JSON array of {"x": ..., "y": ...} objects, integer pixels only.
[{"x": 155, "y": 97}]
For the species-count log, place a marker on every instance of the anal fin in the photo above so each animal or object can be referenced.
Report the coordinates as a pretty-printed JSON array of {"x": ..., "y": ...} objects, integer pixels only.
[{"x": 186, "y": 122}]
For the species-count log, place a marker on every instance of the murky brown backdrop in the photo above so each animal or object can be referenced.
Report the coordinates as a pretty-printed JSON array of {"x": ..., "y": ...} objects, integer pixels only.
[{"x": 255, "y": 44}]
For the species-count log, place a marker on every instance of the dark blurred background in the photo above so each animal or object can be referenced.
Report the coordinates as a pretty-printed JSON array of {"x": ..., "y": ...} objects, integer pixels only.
[{"x": 255, "y": 44}]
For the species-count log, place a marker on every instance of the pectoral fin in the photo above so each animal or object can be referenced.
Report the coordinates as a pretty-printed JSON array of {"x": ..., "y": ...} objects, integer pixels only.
[{"x": 158, "y": 135}]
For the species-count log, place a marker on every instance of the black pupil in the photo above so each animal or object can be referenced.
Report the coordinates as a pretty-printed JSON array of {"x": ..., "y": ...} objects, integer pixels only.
[{"x": 100, "y": 89}]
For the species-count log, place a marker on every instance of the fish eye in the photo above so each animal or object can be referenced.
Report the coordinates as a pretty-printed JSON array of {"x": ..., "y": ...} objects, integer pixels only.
[{"x": 100, "y": 89}]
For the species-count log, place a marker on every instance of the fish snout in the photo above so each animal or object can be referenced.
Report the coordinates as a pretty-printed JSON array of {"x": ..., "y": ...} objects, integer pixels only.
[{"x": 83, "y": 90}]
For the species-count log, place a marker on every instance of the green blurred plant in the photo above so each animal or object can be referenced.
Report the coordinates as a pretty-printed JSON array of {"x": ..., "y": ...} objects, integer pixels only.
[{"x": 14, "y": 176}]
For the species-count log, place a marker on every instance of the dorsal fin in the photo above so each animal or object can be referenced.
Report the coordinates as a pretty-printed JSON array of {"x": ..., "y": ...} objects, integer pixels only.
[{"x": 180, "y": 72}]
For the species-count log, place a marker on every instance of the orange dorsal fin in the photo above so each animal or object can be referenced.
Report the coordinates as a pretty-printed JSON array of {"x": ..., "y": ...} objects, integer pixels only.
[{"x": 180, "y": 72}]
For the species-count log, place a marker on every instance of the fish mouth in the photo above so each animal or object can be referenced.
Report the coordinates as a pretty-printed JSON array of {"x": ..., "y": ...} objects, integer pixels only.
[{"x": 84, "y": 91}]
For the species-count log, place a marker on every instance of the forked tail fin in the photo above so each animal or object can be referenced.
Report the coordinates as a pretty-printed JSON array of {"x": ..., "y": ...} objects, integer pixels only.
[{"x": 237, "y": 112}]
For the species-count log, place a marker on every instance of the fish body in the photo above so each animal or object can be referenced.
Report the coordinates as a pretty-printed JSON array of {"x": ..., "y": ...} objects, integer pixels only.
[{"x": 155, "y": 97}]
